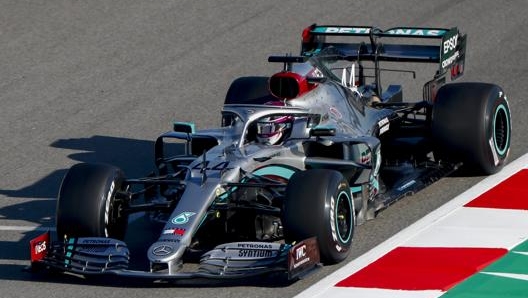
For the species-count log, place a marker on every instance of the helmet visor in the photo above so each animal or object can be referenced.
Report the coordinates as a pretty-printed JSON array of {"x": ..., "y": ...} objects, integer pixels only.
[{"x": 271, "y": 128}]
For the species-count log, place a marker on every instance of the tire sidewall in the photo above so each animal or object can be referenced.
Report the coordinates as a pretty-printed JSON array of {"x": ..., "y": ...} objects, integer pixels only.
[
  {"x": 492, "y": 155},
  {"x": 110, "y": 226},
  {"x": 336, "y": 244}
]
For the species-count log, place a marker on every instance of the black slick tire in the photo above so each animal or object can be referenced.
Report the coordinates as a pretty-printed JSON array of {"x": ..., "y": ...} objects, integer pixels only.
[
  {"x": 318, "y": 203},
  {"x": 87, "y": 205},
  {"x": 472, "y": 124}
]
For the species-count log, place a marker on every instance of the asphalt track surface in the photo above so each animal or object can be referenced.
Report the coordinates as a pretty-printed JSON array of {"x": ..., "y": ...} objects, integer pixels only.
[{"x": 84, "y": 81}]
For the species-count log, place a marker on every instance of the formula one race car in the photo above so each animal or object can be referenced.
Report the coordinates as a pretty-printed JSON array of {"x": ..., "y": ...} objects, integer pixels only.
[{"x": 300, "y": 159}]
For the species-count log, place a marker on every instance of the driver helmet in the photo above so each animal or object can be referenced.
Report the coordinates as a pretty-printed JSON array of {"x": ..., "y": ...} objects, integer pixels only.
[{"x": 274, "y": 129}]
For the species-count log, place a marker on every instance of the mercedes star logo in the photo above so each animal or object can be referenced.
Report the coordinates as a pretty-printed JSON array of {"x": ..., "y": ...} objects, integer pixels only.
[{"x": 162, "y": 250}]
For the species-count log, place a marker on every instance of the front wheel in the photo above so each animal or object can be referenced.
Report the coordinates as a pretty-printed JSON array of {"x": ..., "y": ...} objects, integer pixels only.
[
  {"x": 318, "y": 203},
  {"x": 87, "y": 204}
]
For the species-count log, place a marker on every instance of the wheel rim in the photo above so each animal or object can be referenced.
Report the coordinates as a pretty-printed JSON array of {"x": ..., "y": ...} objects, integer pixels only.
[
  {"x": 343, "y": 219},
  {"x": 501, "y": 130}
]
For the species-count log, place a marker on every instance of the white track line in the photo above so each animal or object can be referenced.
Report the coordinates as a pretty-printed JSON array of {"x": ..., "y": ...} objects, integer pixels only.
[{"x": 26, "y": 228}]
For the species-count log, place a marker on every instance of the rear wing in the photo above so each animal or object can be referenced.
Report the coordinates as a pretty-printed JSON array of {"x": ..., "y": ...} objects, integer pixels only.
[{"x": 447, "y": 46}]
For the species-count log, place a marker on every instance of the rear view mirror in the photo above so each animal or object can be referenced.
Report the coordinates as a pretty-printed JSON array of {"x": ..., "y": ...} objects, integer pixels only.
[
  {"x": 323, "y": 131},
  {"x": 185, "y": 127}
]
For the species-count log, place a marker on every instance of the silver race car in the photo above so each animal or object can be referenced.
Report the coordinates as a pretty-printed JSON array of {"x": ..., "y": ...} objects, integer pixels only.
[{"x": 301, "y": 157}]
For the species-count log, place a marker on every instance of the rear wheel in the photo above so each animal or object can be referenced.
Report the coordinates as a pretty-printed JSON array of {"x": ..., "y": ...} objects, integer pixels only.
[
  {"x": 471, "y": 123},
  {"x": 87, "y": 205},
  {"x": 319, "y": 203}
]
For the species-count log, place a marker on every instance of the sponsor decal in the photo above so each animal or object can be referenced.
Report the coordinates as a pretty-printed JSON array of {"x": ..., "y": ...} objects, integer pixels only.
[
  {"x": 493, "y": 151},
  {"x": 353, "y": 30},
  {"x": 177, "y": 231},
  {"x": 406, "y": 185},
  {"x": 395, "y": 31},
  {"x": 366, "y": 157},
  {"x": 182, "y": 218},
  {"x": 302, "y": 257},
  {"x": 255, "y": 245},
  {"x": 300, "y": 263},
  {"x": 255, "y": 253},
  {"x": 169, "y": 240},
  {"x": 450, "y": 44},
  {"x": 39, "y": 246},
  {"x": 316, "y": 73},
  {"x": 94, "y": 249},
  {"x": 450, "y": 60},
  {"x": 335, "y": 112},
  {"x": 162, "y": 250},
  {"x": 300, "y": 252},
  {"x": 95, "y": 241},
  {"x": 416, "y": 32},
  {"x": 221, "y": 166},
  {"x": 383, "y": 125},
  {"x": 448, "y": 52},
  {"x": 107, "y": 206},
  {"x": 333, "y": 224}
]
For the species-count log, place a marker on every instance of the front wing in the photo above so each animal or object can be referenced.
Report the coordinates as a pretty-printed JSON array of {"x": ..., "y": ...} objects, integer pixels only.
[{"x": 90, "y": 256}]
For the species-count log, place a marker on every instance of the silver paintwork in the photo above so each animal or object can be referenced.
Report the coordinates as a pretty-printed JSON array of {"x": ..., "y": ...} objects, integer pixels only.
[{"x": 329, "y": 104}]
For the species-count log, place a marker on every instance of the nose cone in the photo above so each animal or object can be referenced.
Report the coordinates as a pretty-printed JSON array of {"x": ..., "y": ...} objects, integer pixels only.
[{"x": 165, "y": 252}]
